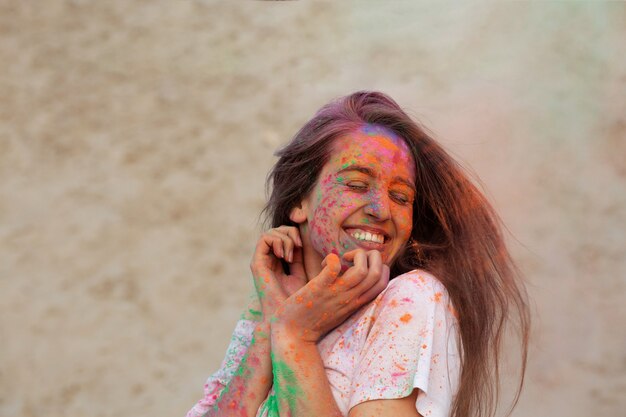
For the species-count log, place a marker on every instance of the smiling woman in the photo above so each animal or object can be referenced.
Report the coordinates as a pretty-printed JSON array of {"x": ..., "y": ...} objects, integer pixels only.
[
  {"x": 383, "y": 287},
  {"x": 363, "y": 199}
]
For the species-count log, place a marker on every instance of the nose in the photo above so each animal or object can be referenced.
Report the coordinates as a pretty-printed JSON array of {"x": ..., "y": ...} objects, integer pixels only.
[{"x": 378, "y": 206}]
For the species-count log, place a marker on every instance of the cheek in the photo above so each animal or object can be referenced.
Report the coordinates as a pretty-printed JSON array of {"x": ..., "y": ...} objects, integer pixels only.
[
  {"x": 326, "y": 220},
  {"x": 404, "y": 222}
]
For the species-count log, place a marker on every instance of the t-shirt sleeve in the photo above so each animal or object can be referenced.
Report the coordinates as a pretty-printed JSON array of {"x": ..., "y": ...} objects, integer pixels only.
[
  {"x": 411, "y": 344},
  {"x": 239, "y": 343}
]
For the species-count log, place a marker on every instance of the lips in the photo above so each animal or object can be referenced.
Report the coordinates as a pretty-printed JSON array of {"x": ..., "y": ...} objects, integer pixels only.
[{"x": 368, "y": 237}]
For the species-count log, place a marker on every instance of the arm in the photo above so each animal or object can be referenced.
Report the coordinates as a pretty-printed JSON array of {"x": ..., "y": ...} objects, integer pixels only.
[
  {"x": 387, "y": 408},
  {"x": 250, "y": 383},
  {"x": 252, "y": 380},
  {"x": 409, "y": 358},
  {"x": 300, "y": 382},
  {"x": 299, "y": 373}
]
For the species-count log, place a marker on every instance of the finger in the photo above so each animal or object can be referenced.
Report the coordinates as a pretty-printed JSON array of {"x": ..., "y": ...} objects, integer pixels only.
[
  {"x": 288, "y": 243},
  {"x": 330, "y": 270},
  {"x": 296, "y": 267},
  {"x": 374, "y": 270},
  {"x": 357, "y": 272},
  {"x": 349, "y": 256},
  {"x": 376, "y": 289},
  {"x": 277, "y": 246},
  {"x": 292, "y": 232},
  {"x": 263, "y": 246},
  {"x": 263, "y": 254}
]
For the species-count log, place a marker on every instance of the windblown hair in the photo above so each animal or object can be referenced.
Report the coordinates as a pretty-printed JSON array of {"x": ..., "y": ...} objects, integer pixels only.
[{"x": 456, "y": 235}]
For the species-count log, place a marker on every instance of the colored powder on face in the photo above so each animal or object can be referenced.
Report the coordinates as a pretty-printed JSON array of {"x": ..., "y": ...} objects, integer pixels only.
[{"x": 406, "y": 318}]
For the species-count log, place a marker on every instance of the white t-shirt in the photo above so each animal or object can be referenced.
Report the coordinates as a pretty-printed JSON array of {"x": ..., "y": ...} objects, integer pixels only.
[{"x": 404, "y": 339}]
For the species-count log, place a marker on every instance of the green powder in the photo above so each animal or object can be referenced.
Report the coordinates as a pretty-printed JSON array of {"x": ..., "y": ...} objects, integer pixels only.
[{"x": 285, "y": 383}]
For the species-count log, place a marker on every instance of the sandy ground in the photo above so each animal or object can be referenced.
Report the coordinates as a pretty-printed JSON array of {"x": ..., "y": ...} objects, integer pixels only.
[{"x": 134, "y": 143}]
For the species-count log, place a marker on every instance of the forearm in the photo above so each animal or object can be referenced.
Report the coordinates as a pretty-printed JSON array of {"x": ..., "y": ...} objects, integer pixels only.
[
  {"x": 300, "y": 382},
  {"x": 251, "y": 382}
]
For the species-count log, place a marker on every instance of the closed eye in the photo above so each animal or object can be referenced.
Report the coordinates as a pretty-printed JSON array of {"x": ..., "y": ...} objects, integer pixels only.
[
  {"x": 400, "y": 198},
  {"x": 357, "y": 186}
]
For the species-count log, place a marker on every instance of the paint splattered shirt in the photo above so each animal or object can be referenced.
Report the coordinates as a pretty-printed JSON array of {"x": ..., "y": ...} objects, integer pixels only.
[{"x": 405, "y": 339}]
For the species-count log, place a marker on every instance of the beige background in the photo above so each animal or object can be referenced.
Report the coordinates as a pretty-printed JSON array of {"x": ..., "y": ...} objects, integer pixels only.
[{"x": 134, "y": 142}]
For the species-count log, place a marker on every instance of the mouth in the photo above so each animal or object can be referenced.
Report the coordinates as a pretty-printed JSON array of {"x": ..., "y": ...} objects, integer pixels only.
[{"x": 368, "y": 238}]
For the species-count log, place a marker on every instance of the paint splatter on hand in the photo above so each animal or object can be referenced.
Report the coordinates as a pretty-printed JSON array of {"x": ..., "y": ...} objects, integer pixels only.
[
  {"x": 329, "y": 298},
  {"x": 273, "y": 285}
]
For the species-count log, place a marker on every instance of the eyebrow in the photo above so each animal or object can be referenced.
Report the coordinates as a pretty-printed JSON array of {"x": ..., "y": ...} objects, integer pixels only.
[{"x": 369, "y": 172}]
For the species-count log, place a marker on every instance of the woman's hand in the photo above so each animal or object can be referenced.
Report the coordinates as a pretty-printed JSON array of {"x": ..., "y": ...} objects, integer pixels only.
[
  {"x": 272, "y": 285},
  {"x": 328, "y": 300}
]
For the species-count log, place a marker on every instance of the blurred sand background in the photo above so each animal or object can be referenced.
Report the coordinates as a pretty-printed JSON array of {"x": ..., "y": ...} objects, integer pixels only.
[{"x": 134, "y": 142}]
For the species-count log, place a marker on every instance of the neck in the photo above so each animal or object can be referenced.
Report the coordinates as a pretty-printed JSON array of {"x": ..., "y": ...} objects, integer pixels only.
[{"x": 312, "y": 262}]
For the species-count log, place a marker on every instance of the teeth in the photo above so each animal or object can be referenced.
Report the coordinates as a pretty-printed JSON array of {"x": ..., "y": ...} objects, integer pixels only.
[{"x": 367, "y": 236}]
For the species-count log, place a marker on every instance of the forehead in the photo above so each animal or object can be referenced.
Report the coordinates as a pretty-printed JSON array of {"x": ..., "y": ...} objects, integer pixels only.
[{"x": 373, "y": 146}]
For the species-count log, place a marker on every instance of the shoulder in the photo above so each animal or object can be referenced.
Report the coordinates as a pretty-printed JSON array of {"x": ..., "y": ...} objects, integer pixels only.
[
  {"x": 417, "y": 284},
  {"x": 419, "y": 293},
  {"x": 412, "y": 343}
]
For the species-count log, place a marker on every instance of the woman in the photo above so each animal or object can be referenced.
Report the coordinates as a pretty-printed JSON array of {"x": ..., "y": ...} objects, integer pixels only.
[{"x": 384, "y": 285}]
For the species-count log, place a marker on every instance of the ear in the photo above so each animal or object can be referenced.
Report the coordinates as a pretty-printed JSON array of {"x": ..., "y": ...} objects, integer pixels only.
[{"x": 298, "y": 213}]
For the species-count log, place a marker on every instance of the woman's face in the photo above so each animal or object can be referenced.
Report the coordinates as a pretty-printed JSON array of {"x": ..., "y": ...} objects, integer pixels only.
[{"x": 363, "y": 198}]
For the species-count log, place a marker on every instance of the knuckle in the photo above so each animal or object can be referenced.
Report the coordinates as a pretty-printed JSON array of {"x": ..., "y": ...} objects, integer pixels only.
[
  {"x": 382, "y": 284},
  {"x": 360, "y": 271}
]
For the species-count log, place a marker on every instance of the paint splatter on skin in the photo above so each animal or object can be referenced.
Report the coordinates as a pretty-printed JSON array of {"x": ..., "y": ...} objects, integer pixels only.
[
  {"x": 366, "y": 186},
  {"x": 285, "y": 387},
  {"x": 399, "y": 351}
]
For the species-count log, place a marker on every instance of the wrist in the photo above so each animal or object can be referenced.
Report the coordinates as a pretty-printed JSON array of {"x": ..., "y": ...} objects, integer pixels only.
[
  {"x": 285, "y": 333},
  {"x": 261, "y": 331}
]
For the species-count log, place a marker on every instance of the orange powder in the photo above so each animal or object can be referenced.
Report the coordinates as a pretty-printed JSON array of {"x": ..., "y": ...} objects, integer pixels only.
[
  {"x": 333, "y": 262},
  {"x": 406, "y": 318}
]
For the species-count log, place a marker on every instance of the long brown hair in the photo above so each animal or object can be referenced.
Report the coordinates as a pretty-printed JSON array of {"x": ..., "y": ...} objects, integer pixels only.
[{"x": 456, "y": 235}]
